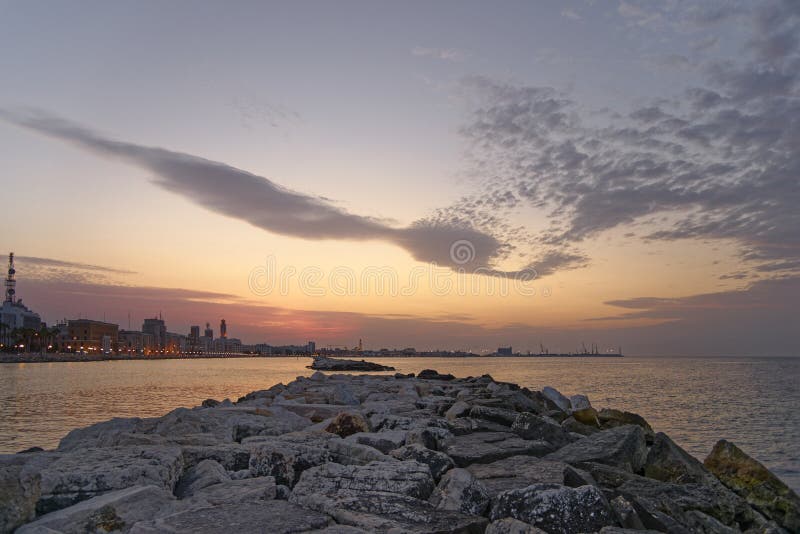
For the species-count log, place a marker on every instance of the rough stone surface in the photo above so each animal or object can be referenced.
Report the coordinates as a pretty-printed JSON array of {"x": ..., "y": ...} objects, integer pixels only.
[
  {"x": 460, "y": 491},
  {"x": 206, "y": 473},
  {"x": 555, "y": 396},
  {"x": 755, "y": 483},
  {"x": 438, "y": 462},
  {"x": 500, "y": 416},
  {"x": 383, "y": 441},
  {"x": 114, "y": 511},
  {"x": 610, "y": 418},
  {"x": 83, "y": 474},
  {"x": 519, "y": 472},
  {"x": 340, "y": 364},
  {"x": 622, "y": 447},
  {"x": 531, "y": 426},
  {"x": 555, "y": 508},
  {"x": 20, "y": 488},
  {"x": 667, "y": 462},
  {"x": 284, "y": 460},
  {"x": 275, "y": 517},
  {"x": 346, "y": 424},
  {"x": 485, "y": 447}
]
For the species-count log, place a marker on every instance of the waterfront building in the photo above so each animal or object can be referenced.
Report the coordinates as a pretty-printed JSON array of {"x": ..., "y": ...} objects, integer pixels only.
[
  {"x": 86, "y": 335},
  {"x": 132, "y": 341},
  {"x": 223, "y": 329},
  {"x": 504, "y": 351}
]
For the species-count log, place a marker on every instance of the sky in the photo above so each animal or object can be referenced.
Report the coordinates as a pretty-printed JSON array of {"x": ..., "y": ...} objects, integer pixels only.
[{"x": 454, "y": 175}]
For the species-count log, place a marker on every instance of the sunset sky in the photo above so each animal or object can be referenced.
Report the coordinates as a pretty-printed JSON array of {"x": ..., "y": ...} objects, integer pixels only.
[{"x": 623, "y": 173}]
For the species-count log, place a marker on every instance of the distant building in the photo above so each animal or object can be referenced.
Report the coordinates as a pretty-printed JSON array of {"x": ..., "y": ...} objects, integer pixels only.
[
  {"x": 158, "y": 329},
  {"x": 312, "y": 347},
  {"x": 132, "y": 341},
  {"x": 504, "y": 351},
  {"x": 209, "y": 332},
  {"x": 89, "y": 336},
  {"x": 14, "y": 314},
  {"x": 223, "y": 329},
  {"x": 194, "y": 334},
  {"x": 175, "y": 343}
]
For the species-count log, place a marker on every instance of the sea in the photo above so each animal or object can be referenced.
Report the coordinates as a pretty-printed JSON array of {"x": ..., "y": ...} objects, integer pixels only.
[{"x": 754, "y": 402}]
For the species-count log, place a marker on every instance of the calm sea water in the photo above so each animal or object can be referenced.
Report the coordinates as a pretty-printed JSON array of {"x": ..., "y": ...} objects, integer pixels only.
[{"x": 754, "y": 402}]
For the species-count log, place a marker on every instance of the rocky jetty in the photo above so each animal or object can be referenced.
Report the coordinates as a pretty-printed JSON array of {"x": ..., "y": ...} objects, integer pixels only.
[
  {"x": 358, "y": 453},
  {"x": 322, "y": 363}
]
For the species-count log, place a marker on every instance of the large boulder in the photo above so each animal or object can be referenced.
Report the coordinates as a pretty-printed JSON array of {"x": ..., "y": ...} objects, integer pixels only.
[
  {"x": 103, "y": 434},
  {"x": 232, "y": 456},
  {"x": 531, "y": 426},
  {"x": 283, "y": 459},
  {"x": 622, "y": 447},
  {"x": 519, "y": 472},
  {"x": 458, "y": 409},
  {"x": 610, "y": 418},
  {"x": 83, "y": 474},
  {"x": 460, "y": 491},
  {"x": 379, "y": 497},
  {"x": 385, "y": 441},
  {"x": 20, "y": 487},
  {"x": 667, "y": 462},
  {"x": 114, "y": 511},
  {"x": 231, "y": 492},
  {"x": 438, "y": 462},
  {"x": 555, "y": 397},
  {"x": 275, "y": 517},
  {"x": 755, "y": 483},
  {"x": 500, "y": 416},
  {"x": 555, "y": 508},
  {"x": 486, "y": 447},
  {"x": 204, "y": 474}
]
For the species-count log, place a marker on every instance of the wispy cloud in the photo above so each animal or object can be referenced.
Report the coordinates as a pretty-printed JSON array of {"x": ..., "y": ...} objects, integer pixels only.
[
  {"x": 50, "y": 262},
  {"x": 446, "y": 54},
  {"x": 265, "y": 204}
]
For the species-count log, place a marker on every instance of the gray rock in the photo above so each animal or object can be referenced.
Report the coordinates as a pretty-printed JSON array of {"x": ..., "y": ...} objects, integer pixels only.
[
  {"x": 459, "y": 409},
  {"x": 531, "y": 426},
  {"x": 622, "y": 447},
  {"x": 322, "y": 363},
  {"x": 667, "y": 462},
  {"x": 610, "y": 418},
  {"x": 99, "y": 434},
  {"x": 554, "y": 396},
  {"x": 468, "y": 425},
  {"x": 283, "y": 459},
  {"x": 383, "y": 441},
  {"x": 573, "y": 426},
  {"x": 113, "y": 511},
  {"x": 555, "y": 508},
  {"x": 432, "y": 437},
  {"x": 486, "y": 447},
  {"x": 510, "y": 525},
  {"x": 232, "y": 491},
  {"x": 232, "y": 456},
  {"x": 275, "y": 517},
  {"x": 346, "y": 424},
  {"x": 379, "y": 497},
  {"x": 495, "y": 415},
  {"x": 460, "y": 491},
  {"x": 626, "y": 513},
  {"x": 206, "y": 473},
  {"x": 519, "y": 472},
  {"x": 83, "y": 474},
  {"x": 755, "y": 483},
  {"x": 438, "y": 462},
  {"x": 20, "y": 487},
  {"x": 579, "y": 402}
]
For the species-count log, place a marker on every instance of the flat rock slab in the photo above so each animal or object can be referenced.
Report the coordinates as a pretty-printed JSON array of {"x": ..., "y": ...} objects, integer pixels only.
[
  {"x": 267, "y": 517},
  {"x": 518, "y": 472},
  {"x": 486, "y": 447},
  {"x": 116, "y": 510},
  {"x": 622, "y": 447},
  {"x": 83, "y": 474}
]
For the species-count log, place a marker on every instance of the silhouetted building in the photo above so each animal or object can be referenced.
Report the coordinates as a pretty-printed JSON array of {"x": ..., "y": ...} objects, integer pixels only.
[
  {"x": 223, "y": 329},
  {"x": 133, "y": 341},
  {"x": 158, "y": 329},
  {"x": 13, "y": 313},
  {"x": 504, "y": 351},
  {"x": 209, "y": 333},
  {"x": 312, "y": 347}
]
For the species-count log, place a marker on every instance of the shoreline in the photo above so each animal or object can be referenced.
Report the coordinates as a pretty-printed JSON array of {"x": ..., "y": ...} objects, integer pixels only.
[{"x": 79, "y": 358}]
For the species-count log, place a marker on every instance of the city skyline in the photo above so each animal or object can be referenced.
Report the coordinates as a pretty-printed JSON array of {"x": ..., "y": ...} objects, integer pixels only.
[{"x": 617, "y": 173}]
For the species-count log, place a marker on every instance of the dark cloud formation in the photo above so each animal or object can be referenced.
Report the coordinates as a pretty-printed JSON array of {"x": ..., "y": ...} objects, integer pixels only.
[
  {"x": 265, "y": 204},
  {"x": 720, "y": 161}
]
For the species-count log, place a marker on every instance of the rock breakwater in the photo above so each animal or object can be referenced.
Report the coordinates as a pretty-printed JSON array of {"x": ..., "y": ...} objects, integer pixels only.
[{"x": 359, "y": 453}]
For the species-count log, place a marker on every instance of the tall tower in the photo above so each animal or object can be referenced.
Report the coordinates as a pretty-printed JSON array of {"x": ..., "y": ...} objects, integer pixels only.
[
  {"x": 209, "y": 333},
  {"x": 10, "y": 282},
  {"x": 223, "y": 329}
]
